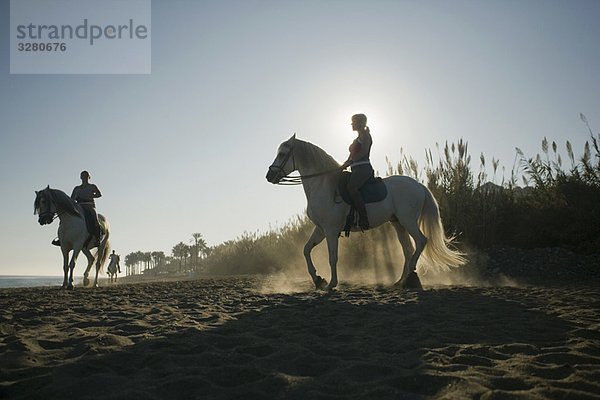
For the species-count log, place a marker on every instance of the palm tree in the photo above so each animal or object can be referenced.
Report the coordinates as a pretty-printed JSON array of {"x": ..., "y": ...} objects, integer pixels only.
[
  {"x": 147, "y": 258},
  {"x": 199, "y": 247},
  {"x": 130, "y": 262},
  {"x": 180, "y": 251},
  {"x": 159, "y": 258},
  {"x": 139, "y": 258}
]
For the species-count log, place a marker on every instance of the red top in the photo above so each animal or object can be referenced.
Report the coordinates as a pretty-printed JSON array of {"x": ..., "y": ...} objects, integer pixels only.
[{"x": 354, "y": 148}]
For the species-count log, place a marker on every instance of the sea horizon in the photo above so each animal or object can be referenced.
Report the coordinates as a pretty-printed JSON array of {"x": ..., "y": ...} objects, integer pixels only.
[{"x": 16, "y": 281}]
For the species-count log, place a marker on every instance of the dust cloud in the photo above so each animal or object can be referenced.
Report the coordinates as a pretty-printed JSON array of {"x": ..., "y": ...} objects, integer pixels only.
[{"x": 376, "y": 258}]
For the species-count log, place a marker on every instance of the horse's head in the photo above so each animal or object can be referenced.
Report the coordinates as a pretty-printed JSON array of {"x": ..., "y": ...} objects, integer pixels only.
[
  {"x": 44, "y": 206},
  {"x": 284, "y": 163}
]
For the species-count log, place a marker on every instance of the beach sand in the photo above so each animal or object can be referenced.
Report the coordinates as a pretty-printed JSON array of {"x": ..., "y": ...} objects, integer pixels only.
[{"x": 238, "y": 338}]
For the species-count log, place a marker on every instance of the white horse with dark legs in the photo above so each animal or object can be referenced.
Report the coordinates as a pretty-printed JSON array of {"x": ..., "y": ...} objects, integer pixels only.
[
  {"x": 409, "y": 206},
  {"x": 72, "y": 232}
]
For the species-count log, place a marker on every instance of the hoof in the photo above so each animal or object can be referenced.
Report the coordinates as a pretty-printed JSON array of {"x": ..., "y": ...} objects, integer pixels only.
[
  {"x": 412, "y": 282},
  {"x": 320, "y": 283},
  {"x": 86, "y": 281},
  {"x": 70, "y": 286}
]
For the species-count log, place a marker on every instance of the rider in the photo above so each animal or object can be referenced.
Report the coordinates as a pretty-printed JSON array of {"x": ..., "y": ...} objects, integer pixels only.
[
  {"x": 84, "y": 195},
  {"x": 114, "y": 259},
  {"x": 361, "y": 168}
]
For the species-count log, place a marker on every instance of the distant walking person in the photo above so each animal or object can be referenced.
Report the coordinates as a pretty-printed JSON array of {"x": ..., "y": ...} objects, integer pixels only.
[
  {"x": 360, "y": 165},
  {"x": 84, "y": 195}
]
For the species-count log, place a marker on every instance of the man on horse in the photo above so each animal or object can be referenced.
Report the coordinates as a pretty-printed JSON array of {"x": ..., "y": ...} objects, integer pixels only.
[
  {"x": 84, "y": 195},
  {"x": 114, "y": 259},
  {"x": 360, "y": 165}
]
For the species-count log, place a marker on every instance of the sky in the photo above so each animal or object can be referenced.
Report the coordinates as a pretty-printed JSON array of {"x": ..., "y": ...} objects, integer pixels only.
[{"x": 186, "y": 148}]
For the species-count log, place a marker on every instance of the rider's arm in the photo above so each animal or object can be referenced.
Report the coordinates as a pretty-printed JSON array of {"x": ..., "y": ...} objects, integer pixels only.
[
  {"x": 97, "y": 192},
  {"x": 346, "y": 163},
  {"x": 74, "y": 194}
]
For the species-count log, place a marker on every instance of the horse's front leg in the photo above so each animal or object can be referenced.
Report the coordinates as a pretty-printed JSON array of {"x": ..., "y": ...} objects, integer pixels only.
[
  {"x": 65, "y": 254},
  {"x": 90, "y": 259},
  {"x": 332, "y": 246},
  {"x": 72, "y": 267},
  {"x": 316, "y": 237}
]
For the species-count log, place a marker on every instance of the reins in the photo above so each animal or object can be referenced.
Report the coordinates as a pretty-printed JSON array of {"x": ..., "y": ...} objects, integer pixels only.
[
  {"x": 55, "y": 214},
  {"x": 297, "y": 180}
]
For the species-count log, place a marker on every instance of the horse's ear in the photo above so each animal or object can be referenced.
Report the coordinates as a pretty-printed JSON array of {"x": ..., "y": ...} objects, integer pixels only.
[
  {"x": 48, "y": 187},
  {"x": 36, "y": 192},
  {"x": 293, "y": 136}
]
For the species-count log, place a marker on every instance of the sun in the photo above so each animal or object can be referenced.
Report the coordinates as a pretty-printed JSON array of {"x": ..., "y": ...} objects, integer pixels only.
[{"x": 333, "y": 102}]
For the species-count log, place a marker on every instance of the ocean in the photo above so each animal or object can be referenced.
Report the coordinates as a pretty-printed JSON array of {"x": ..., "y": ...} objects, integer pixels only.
[{"x": 14, "y": 281}]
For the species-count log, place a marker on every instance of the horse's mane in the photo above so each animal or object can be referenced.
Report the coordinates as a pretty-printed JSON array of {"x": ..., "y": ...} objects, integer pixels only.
[
  {"x": 60, "y": 198},
  {"x": 315, "y": 155},
  {"x": 64, "y": 202}
]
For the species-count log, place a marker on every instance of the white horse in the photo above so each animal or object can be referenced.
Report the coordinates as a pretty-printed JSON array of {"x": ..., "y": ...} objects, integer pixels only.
[
  {"x": 72, "y": 232},
  {"x": 409, "y": 206},
  {"x": 114, "y": 267}
]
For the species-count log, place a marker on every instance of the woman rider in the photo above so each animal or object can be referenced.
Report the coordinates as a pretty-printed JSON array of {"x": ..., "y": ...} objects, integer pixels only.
[{"x": 359, "y": 163}]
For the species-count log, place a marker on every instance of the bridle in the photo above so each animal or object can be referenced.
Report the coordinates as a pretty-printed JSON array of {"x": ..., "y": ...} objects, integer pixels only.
[
  {"x": 287, "y": 180},
  {"x": 49, "y": 214}
]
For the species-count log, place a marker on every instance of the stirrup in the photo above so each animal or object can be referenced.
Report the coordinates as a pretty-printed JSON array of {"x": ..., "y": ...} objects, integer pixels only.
[
  {"x": 363, "y": 222},
  {"x": 349, "y": 223}
]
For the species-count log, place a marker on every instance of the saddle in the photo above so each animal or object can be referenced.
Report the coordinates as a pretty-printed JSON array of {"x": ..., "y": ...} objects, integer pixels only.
[{"x": 372, "y": 191}]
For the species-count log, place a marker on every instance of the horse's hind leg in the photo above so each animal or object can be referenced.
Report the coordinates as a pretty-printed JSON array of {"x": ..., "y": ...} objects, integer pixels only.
[
  {"x": 412, "y": 280},
  {"x": 316, "y": 237},
  {"x": 90, "y": 259},
  {"x": 407, "y": 248},
  {"x": 332, "y": 246},
  {"x": 99, "y": 256}
]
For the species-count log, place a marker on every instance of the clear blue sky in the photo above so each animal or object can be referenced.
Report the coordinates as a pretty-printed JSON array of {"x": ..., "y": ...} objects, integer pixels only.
[{"x": 186, "y": 148}]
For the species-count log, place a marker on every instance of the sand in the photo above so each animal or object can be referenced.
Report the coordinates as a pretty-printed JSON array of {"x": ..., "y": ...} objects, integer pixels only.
[{"x": 234, "y": 338}]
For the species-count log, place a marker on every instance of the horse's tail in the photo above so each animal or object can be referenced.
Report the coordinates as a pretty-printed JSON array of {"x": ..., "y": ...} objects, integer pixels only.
[
  {"x": 437, "y": 250},
  {"x": 106, "y": 240},
  {"x": 105, "y": 253}
]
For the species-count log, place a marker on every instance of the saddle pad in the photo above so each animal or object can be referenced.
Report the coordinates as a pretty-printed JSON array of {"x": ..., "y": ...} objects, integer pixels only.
[{"x": 372, "y": 191}]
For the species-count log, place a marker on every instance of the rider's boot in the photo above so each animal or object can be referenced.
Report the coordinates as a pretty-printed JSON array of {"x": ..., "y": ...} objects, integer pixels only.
[
  {"x": 56, "y": 242},
  {"x": 359, "y": 204},
  {"x": 98, "y": 233},
  {"x": 349, "y": 222}
]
